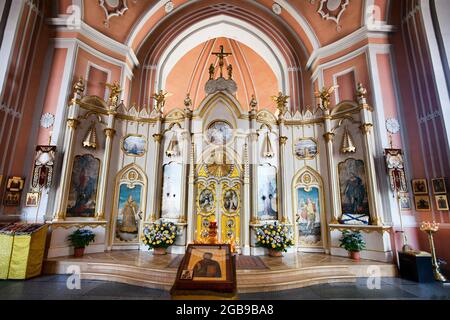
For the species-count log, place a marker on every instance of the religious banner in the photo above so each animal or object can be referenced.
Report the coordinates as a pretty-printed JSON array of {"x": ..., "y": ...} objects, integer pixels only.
[{"x": 44, "y": 162}]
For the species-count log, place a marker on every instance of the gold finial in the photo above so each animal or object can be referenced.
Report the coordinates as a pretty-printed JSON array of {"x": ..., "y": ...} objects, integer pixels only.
[
  {"x": 230, "y": 71},
  {"x": 79, "y": 86},
  {"x": 115, "y": 91},
  {"x": 188, "y": 102},
  {"x": 221, "y": 55},
  {"x": 281, "y": 101},
  {"x": 253, "y": 103},
  {"x": 325, "y": 97},
  {"x": 160, "y": 99},
  {"x": 361, "y": 93}
]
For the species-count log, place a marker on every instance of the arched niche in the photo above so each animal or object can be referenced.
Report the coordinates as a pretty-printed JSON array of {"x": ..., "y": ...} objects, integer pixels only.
[
  {"x": 309, "y": 209},
  {"x": 129, "y": 207}
]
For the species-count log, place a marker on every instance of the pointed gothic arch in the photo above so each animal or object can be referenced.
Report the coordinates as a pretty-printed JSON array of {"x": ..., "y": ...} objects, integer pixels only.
[{"x": 309, "y": 210}]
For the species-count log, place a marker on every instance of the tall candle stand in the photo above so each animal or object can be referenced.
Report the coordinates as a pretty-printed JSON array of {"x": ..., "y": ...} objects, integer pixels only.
[{"x": 430, "y": 228}]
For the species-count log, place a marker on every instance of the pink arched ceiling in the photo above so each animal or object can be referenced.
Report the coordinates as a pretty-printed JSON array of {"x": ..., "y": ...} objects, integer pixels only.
[
  {"x": 251, "y": 73},
  {"x": 291, "y": 47}
]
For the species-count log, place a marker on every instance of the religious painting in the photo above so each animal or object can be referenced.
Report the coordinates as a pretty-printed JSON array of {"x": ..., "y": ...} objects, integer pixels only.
[
  {"x": 353, "y": 191},
  {"x": 420, "y": 186},
  {"x": 206, "y": 200},
  {"x": 171, "y": 193},
  {"x": 219, "y": 133},
  {"x": 83, "y": 187},
  {"x": 230, "y": 200},
  {"x": 12, "y": 199},
  {"x": 405, "y": 202},
  {"x": 134, "y": 145},
  {"x": 32, "y": 199},
  {"x": 129, "y": 213},
  {"x": 14, "y": 187},
  {"x": 439, "y": 186},
  {"x": 309, "y": 216},
  {"x": 267, "y": 193},
  {"x": 442, "y": 202},
  {"x": 422, "y": 203},
  {"x": 306, "y": 149},
  {"x": 208, "y": 267}
]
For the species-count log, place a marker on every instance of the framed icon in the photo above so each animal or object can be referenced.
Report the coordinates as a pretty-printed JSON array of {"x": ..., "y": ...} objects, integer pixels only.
[
  {"x": 441, "y": 202},
  {"x": 422, "y": 203},
  {"x": 420, "y": 186},
  {"x": 405, "y": 202},
  {"x": 32, "y": 199},
  {"x": 439, "y": 186},
  {"x": 207, "y": 267}
]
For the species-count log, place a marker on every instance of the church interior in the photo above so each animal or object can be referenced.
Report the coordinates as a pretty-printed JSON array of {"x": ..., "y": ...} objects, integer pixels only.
[{"x": 299, "y": 141}]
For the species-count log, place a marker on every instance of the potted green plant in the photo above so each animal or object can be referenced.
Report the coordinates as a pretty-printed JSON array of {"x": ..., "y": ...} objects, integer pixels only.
[
  {"x": 80, "y": 239},
  {"x": 159, "y": 236},
  {"x": 353, "y": 242},
  {"x": 274, "y": 237}
]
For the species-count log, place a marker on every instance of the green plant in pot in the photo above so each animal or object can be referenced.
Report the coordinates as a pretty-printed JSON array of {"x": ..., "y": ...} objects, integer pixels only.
[
  {"x": 353, "y": 242},
  {"x": 80, "y": 239}
]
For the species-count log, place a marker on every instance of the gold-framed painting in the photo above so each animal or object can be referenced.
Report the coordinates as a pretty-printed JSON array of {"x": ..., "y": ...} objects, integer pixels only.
[
  {"x": 306, "y": 148},
  {"x": 422, "y": 203},
  {"x": 83, "y": 187},
  {"x": 207, "y": 267},
  {"x": 405, "y": 202},
  {"x": 134, "y": 145},
  {"x": 419, "y": 186},
  {"x": 441, "y": 202},
  {"x": 439, "y": 186},
  {"x": 32, "y": 199}
]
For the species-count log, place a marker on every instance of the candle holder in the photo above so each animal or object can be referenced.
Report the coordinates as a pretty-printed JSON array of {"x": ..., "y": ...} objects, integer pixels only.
[{"x": 430, "y": 228}]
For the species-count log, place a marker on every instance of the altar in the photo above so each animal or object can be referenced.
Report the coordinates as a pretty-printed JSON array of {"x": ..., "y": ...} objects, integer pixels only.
[{"x": 238, "y": 166}]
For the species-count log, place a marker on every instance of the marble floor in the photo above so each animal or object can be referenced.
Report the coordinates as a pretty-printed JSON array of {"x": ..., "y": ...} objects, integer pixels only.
[
  {"x": 55, "y": 288},
  {"x": 289, "y": 261}
]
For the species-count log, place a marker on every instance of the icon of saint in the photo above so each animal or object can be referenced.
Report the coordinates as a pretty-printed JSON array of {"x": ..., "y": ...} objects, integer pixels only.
[
  {"x": 207, "y": 268},
  {"x": 129, "y": 212}
]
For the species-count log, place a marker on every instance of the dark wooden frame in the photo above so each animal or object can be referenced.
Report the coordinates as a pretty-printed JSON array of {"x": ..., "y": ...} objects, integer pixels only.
[{"x": 228, "y": 285}]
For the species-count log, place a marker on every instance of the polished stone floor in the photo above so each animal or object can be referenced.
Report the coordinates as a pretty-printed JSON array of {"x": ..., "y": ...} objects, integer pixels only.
[{"x": 55, "y": 288}]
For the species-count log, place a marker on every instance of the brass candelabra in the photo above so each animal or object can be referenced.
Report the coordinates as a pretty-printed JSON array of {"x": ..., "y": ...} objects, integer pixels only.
[{"x": 430, "y": 228}]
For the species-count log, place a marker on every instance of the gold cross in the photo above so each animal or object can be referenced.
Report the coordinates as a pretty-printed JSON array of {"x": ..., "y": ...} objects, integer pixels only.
[{"x": 222, "y": 54}]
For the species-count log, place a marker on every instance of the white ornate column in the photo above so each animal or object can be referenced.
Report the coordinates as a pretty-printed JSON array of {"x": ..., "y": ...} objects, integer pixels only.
[
  {"x": 369, "y": 156},
  {"x": 157, "y": 137},
  {"x": 191, "y": 195},
  {"x": 332, "y": 172},
  {"x": 282, "y": 101},
  {"x": 68, "y": 149},
  {"x": 103, "y": 183},
  {"x": 254, "y": 146}
]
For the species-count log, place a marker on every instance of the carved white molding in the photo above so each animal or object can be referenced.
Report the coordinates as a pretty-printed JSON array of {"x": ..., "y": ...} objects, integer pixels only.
[
  {"x": 169, "y": 7},
  {"x": 332, "y": 10},
  {"x": 276, "y": 8},
  {"x": 113, "y": 8}
]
